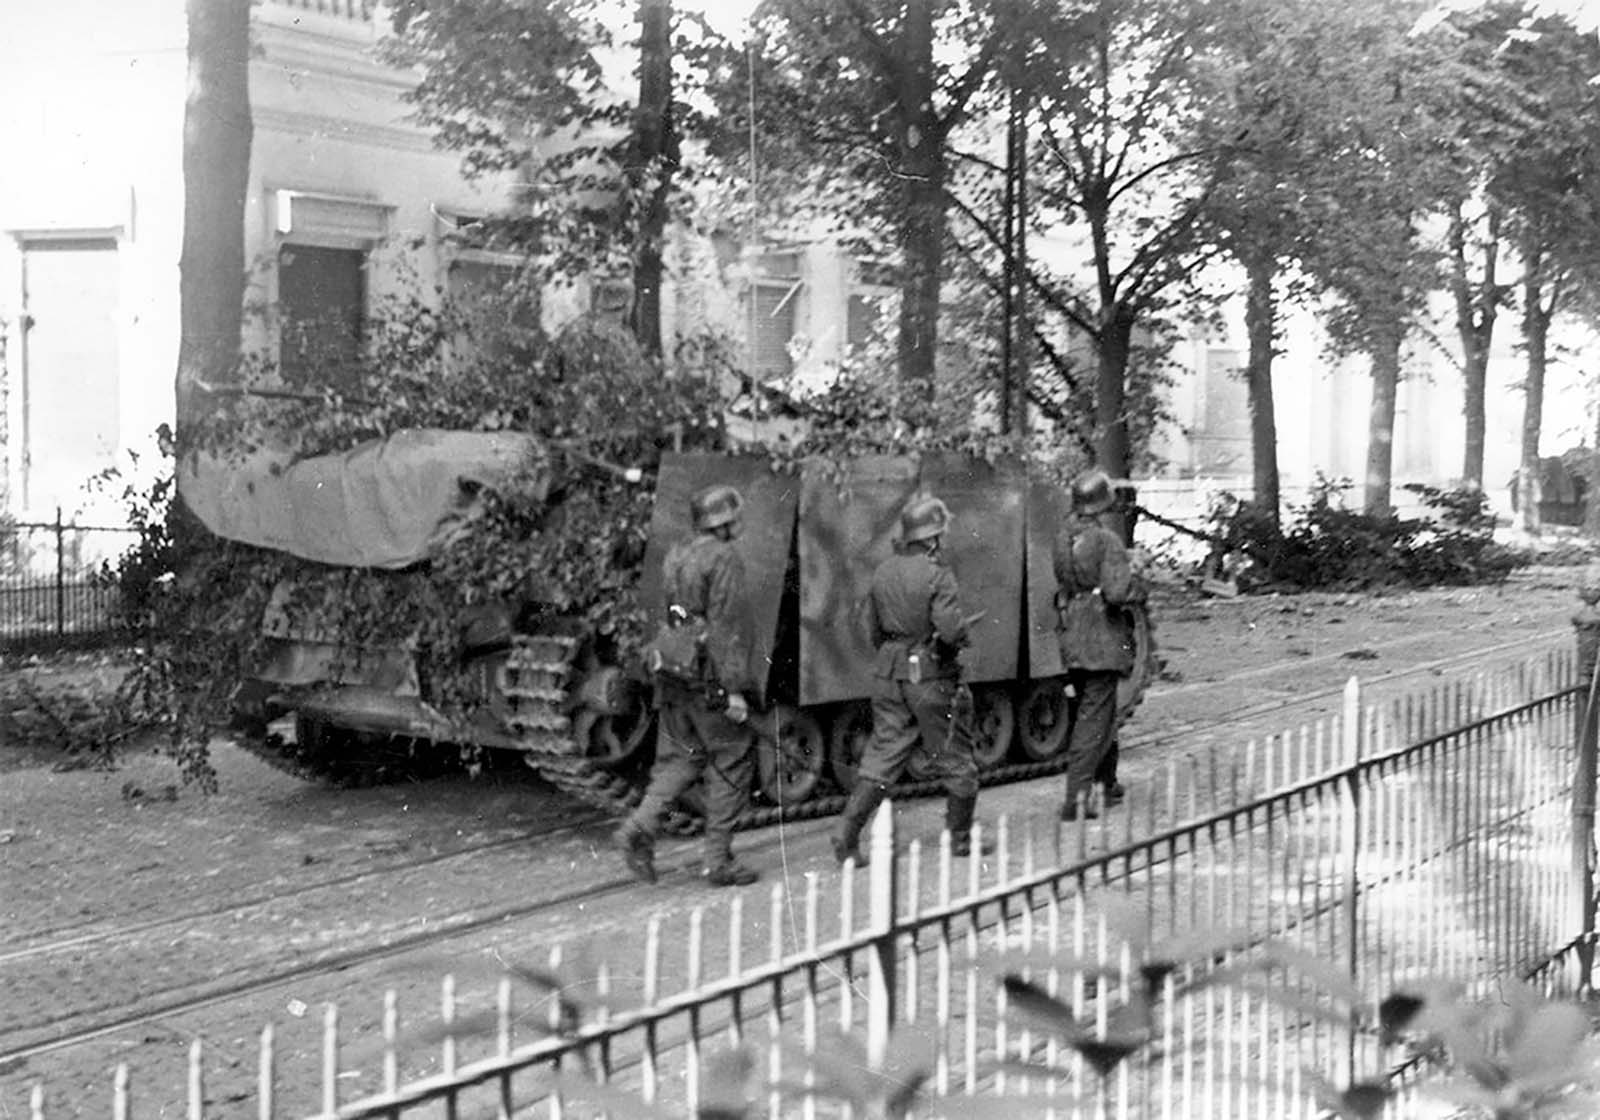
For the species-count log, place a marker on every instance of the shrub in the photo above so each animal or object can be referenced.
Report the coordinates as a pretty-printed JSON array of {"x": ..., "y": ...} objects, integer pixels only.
[{"x": 1327, "y": 546}]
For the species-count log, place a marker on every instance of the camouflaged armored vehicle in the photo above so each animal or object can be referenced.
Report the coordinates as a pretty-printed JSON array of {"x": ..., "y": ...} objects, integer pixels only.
[{"x": 578, "y": 715}]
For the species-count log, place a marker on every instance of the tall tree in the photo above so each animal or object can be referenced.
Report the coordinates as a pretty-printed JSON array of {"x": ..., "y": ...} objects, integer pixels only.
[
  {"x": 1485, "y": 115},
  {"x": 652, "y": 160},
  {"x": 1389, "y": 168},
  {"x": 216, "y": 170},
  {"x": 1269, "y": 80},
  {"x": 521, "y": 85},
  {"x": 1123, "y": 180},
  {"x": 862, "y": 93},
  {"x": 1476, "y": 291},
  {"x": 1548, "y": 184}
]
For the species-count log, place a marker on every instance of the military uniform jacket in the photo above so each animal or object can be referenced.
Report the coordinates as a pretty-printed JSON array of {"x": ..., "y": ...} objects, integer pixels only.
[
  {"x": 1095, "y": 584},
  {"x": 914, "y": 602},
  {"x": 705, "y": 576}
]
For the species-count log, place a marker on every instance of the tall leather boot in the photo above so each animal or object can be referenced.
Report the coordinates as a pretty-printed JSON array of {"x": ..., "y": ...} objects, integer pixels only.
[
  {"x": 864, "y": 801},
  {"x": 722, "y": 869},
  {"x": 958, "y": 813},
  {"x": 1105, "y": 776},
  {"x": 638, "y": 847},
  {"x": 729, "y": 872}
]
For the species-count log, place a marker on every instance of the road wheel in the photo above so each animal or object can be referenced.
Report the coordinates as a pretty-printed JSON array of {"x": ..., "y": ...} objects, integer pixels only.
[
  {"x": 1044, "y": 717},
  {"x": 1146, "y": 664},
  {"x": 790, "y": 753},
  {"x": 994, "y": 725},
  {"x": 613, "y": 741},
  {"x": 848, "y": 736}
]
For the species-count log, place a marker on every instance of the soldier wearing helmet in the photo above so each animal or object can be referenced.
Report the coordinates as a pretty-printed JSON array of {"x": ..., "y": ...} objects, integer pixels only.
[
  {"x": 1095, "y": 582},
  {"x": 913, "y": 617},
  {"x": 701, "y": 737}
]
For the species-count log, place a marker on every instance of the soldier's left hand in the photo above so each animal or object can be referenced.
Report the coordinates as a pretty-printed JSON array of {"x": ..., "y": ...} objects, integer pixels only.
[{"x": 738, "y": 709}]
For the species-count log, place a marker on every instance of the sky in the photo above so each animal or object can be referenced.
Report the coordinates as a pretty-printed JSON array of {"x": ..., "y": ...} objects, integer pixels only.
[{"x": 728, "y": 16}]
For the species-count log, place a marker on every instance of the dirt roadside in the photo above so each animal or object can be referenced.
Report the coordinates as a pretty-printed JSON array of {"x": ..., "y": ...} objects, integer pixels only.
[{"x": 77, "y": 854}]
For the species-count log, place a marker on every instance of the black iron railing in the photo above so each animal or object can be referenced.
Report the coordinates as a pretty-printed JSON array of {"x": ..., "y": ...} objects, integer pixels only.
[{"x": 51, "y": 591}]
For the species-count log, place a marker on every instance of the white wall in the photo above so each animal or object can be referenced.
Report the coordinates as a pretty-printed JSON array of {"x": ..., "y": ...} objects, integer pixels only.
[
  {"x": 91, "y": 103},
  {"x": 91, "y": 132}
]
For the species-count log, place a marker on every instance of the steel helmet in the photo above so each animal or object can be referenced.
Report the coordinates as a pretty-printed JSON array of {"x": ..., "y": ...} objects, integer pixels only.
[
  {"x": 1091, "y": 492},
  {"x": 714, "y": 507},
  {"x": 924, "y": 518}
]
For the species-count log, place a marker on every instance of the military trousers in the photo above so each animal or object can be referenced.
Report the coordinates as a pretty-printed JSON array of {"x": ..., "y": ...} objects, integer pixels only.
[
  {"x": 906, "y": 712},
  {"x": 1094, "y": 728},
  {"x": 694, "y": 743}
]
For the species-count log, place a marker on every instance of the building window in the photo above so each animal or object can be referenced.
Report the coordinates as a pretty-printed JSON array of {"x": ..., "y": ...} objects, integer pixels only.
[
  {"x": 1222, "y": 435},
  {"x": 495, "y": 304},
  {"x": 323, "y": 241},
  {"x": 771, "y": 306},
  {"x": 863, "y": 319},
  {"x": 610, "y": 300},
  {"x": 772, "y": 329},
  {"x": 322, "y": 299},
  {"x": 872, "y": 286}
]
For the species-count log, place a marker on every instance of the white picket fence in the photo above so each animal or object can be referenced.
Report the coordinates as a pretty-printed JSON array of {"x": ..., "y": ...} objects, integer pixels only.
[{"x": 1431, "y": 837}]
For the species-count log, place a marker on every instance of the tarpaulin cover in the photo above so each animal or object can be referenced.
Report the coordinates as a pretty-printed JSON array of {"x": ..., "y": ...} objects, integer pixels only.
[{"x": 388, "y": 503}]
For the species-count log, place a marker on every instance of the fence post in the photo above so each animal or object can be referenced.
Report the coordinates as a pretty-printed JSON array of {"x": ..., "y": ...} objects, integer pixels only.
[
  {"x": 882, "y": 967},
  {"x": 1586, "y": 624},
  {"x": 1352, "y": 730},
  {"x": 61, "y": 576}
]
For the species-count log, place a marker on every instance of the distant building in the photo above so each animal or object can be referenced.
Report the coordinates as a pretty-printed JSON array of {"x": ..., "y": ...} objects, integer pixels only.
[
  {"x": 342, "y": 185},
  {"x": 91, "y": 214}
]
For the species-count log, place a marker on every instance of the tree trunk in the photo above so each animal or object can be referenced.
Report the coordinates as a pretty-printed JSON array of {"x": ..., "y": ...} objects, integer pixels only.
[
  {"x": 1110, "y": 400},
  {"x": 922, "y": 229},
  {"x": 1535, "y": 340},
  {"x": 1260, "y": 317},
  {"x": 216, "y": 173},
  {"x": 1380, "y": 424},
  {"x": 650, "y": 172},
  {"x": 1475, "y": 318},
  {"x": 1014, "y": 376},
  {"x": 1591, "y": 511}
]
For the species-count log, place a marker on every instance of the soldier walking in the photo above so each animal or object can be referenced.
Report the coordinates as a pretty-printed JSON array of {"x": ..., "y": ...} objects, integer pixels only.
[
  {"x": 1095, "y": 582},
  {"x": 913, "y": 616},
  {"x": 704, "y": 731}
]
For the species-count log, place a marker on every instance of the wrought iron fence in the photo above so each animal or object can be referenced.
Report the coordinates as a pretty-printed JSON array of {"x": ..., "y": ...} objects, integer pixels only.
[
  {"x": 50, "y": 591},
  {"x": 1432, "y": 836}
]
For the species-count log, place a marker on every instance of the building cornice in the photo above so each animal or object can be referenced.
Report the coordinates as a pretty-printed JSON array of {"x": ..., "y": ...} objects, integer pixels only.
[
  {"x": 298, "y": 123},
  {"x": 337, "y": 56}
]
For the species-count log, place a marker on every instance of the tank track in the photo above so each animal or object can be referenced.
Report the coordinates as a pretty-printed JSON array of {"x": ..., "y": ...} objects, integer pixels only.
[{"x": 536, "y": 683}]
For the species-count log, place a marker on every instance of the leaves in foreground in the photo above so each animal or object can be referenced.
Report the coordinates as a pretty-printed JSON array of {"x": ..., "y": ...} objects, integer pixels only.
[
  {"x": 1514, "y": 1055},
  {"x": 1129, "y": 1028},
  {"x": 1359, "y": 1100}
]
